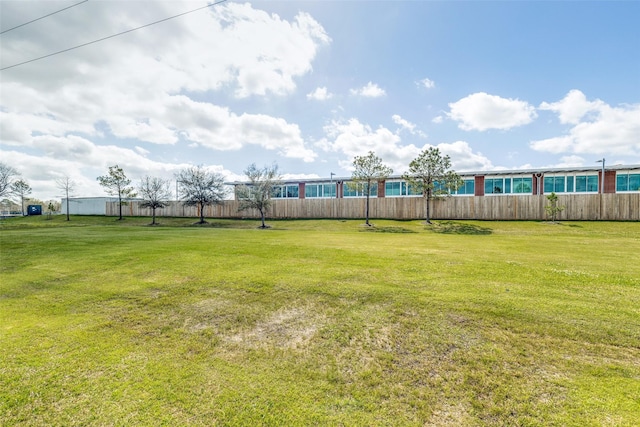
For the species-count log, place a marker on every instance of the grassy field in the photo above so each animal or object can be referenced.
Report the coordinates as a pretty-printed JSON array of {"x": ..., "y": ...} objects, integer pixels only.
[{"x": 106, "y": 322}]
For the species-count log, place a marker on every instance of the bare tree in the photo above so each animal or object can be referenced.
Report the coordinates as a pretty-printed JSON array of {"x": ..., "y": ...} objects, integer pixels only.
[
  {"x": 7, "y": 177},
  {"x": 155, "y": 193},
  {"x": 257, "y": 193},
  {"x": 68, "y": 186},
  {"x": 368, "y": 170},
  {"x": 22, "y": 189},
  {"x": 201, "y": 188},
  {"x": 116, "y": 183},
  {"x": 430, "y": 173}
]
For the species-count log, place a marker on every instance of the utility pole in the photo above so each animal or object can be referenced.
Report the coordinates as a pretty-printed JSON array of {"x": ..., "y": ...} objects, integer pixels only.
[{"x": 602, "y": 177}]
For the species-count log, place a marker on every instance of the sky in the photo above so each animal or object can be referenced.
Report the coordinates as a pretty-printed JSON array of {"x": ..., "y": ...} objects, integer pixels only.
[{"x": 308, "y": 85}]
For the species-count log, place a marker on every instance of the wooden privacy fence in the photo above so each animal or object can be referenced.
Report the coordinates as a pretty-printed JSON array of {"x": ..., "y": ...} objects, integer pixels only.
[{"x": 611, "y": 207}]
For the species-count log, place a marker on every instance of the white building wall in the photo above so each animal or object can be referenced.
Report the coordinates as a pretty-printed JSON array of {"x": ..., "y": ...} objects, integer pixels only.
[{"x": 87, "y": 205}]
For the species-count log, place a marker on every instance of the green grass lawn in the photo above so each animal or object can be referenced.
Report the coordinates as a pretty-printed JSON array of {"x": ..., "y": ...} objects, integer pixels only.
[{"x": 318, "y": 322}]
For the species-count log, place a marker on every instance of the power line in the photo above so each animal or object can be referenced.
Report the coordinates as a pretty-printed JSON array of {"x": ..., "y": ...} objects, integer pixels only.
[
  {"x": 113, "y": 35},
  {"x": 42, "y": 17}
]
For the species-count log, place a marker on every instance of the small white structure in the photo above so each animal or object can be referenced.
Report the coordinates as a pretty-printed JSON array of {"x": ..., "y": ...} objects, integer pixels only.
[{"x": 86, "y": 205}]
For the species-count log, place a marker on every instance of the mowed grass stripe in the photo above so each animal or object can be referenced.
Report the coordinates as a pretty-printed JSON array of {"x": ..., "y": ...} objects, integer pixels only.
[{"x": 318, "y": 322}]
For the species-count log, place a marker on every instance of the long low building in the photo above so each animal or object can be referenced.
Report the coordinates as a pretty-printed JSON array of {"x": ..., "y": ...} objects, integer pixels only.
[
  {"x": 585, "y": 193},
  {"x": 576, "y": 180}
]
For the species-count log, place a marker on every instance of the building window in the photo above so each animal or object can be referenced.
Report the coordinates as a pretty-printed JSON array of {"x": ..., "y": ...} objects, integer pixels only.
[
  {"x": 508, "y": 185},
  {"x": 393, "y": 188},
  {"x": 329, "y": 190},
  {"x": 627, "y": 181},
  {"x": 285, "y": 192},
  {"x": 292, "y": 191},
  {"x": 570, "y": 184},
  {"x": 496, "y": 186},
  {"x": 554, "y": 184},
  {"x": 489, "y": 188},
  {"x": 310, "y": 191},
  {"x": 522, "y": 185},
  {"x": 319, "y": 190},
  {"x": 441, "y": 188},
  {"x": 586, "y": 184},
  {"x": 468, "y": 188},
  {"x": 358, "y": 190},
  {"x": 400, "y": 188},
  {"x": 410, "y": 190}
]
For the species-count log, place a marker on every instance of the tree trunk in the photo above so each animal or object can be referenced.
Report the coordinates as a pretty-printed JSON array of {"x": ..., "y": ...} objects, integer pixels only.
[
  {"x": 366, "y": 210},
  {"x": 201, "y": 213},
  {"x": 120, "y": 207},
  {"x": 428, "y": 205},
  {"x": 262, "y": 218},
  {"x": 153, "y": 214}
]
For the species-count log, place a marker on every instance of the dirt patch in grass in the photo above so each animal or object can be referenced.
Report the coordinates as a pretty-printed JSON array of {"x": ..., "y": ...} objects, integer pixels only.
[
  {"x": 287, "y": 328},
  {"x": 450, "y": 414},
  {"x": 206, "y": 314}
]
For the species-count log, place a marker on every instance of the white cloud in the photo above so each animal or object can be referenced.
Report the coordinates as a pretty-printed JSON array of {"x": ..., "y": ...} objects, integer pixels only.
[
  {"x": 300, "y": 176},
  {"x": 71, "y": 147},
  {"x": 573, "y": 107},
  {"x": 275, "y": 134},
  {"x": 463, "y": 158},
  {"x": 141, "y": 86},
  {"x": 206, "y": 124},
  {"x": 437, "y": 119},
  {"x": 320, "y": 94},
  {"x": 217, "y": 128},
  {"x": 404, "y": 124},
  {"x": 597, "y": 128},
  {"x": 426, "y": 83},
  {"x": 354, "y": 138},
  {"x": 370, "y": 90},
  {"x": 231, "y": 44},
  {"x": 570, "y": 161},
  {"x": 63, "y": 159},
  {"x": 565, "y": 162},
  {"x": 556, "y": 145},
  {"x": 407, "y": 125},
  {"x": 144, "y": 129},
  {"x": 43, "y": 172},
  {"x": 141, "y": 151},
  {"x": 278, "y": 50},
  {"x": 481, "y": 111}
]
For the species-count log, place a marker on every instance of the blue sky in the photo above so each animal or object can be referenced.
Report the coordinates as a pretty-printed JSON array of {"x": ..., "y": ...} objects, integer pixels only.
[{"x": 311, "y": 84}]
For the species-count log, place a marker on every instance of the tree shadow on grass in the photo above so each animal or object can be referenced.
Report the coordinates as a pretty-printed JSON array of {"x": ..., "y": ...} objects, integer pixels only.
[
  {"x": 452, "y": 227},
  {"x": 374, "y": 229},
  {"x": 208, "y": 224},
  {"x": 239, "y": 224},
  {"x": 563, "y": 224}
]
